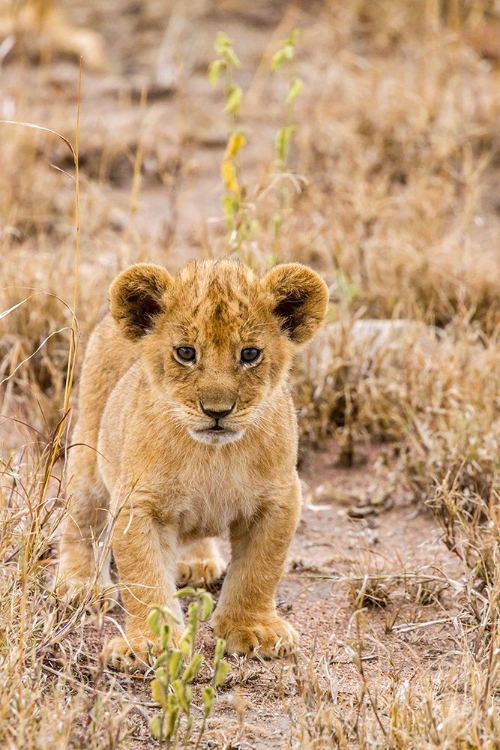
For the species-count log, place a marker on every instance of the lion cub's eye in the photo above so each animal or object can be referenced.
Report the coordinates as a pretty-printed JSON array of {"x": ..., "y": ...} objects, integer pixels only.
[
  {"x": 250, "y": 355},
  {"x": 185, "y": 353}
]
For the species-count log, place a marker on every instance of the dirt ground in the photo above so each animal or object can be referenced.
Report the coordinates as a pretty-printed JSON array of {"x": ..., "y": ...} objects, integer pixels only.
[{"x": 357, "y": 522}]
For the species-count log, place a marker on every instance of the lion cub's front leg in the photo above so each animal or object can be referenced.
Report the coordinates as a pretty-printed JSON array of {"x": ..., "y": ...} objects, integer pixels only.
[
  {"x": 145, "y": 555},
  {"x": 246, "y": 614}
]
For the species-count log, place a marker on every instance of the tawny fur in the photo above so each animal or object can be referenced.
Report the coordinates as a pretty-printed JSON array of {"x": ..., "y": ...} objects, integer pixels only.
[
  {"x": 44, "y": 28},
  {"x": 145, "y": 466}
]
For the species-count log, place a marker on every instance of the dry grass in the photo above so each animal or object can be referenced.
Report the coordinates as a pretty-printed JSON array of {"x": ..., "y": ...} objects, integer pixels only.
[{"x": 397, "y": 142}]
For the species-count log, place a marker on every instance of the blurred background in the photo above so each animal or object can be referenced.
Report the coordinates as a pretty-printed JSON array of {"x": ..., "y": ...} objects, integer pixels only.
[{"x": 389, "y": 183}]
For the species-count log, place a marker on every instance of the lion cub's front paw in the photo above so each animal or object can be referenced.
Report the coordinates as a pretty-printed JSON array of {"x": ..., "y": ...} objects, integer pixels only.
[
  {"x": 199, "y": 571},
  {"x": 269, "y": 638},
  {"x": 135, "y": 654}
]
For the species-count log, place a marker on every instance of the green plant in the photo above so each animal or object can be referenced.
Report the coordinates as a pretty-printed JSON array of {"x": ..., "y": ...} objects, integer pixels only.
[
  {"x": 241, "y": 213},
  {"x": 233, "y": 200},
  {"x": 286, "y": 54},
  {"x": 171, "y": 688}
]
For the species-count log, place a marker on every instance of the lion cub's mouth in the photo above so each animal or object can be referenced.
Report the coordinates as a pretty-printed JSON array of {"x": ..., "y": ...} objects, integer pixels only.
[{"x": 216, "y": 435}]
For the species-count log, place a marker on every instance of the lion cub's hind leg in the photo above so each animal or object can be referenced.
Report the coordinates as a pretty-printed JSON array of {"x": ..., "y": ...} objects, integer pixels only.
[
  {"x": 84, "y": 555},
  {"x": 200, "y": 562}
]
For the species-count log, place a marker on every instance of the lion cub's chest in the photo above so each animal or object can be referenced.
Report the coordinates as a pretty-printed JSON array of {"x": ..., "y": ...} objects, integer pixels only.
[{"x": 213, "y": 496}]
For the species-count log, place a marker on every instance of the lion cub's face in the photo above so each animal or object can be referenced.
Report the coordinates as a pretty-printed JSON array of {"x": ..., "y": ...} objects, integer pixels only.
[{"x": 217, "y": 339}]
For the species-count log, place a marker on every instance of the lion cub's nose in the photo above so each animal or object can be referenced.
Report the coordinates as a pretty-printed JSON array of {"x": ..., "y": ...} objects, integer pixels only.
[{"x": 216, "y": 414}]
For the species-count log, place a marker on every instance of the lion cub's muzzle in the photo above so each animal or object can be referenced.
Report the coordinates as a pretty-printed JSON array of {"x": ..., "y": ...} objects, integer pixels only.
[{"x": 218, "y": 432}]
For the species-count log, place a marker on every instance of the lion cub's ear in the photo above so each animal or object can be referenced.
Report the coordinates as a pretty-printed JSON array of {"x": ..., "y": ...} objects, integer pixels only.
[
  {"x": 137, "y": 298},
  {"x": 300, "y": 299}
]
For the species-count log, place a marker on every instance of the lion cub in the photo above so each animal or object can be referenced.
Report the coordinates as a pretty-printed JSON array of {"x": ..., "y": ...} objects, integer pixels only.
[{"x": 186, "y": 429}]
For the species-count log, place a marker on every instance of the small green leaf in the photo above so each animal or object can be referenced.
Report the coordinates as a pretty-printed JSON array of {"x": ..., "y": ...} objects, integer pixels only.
[
  {"x": 160, "y": 661},
  {"x": 278, "y": 59},
  {"x": 154, "y": 620},
  {"x": 186, "y": 591},
  {"x": 222, "y": 42},
  {"x": 214, "y": 70},
  {"x": 193, "y": 610},
  {"x": 208, "y": 694},
  {"x": 186, "y": 641},
  {"x": 283, "y": 141},
  {"x": 159, "y": 693},
  {"x": 157, "y": 615},
  {"x": 174, "y": 663},
  {"x": 165, "y": 636},
  {"x": 207, "y": 606},
  {"x": 161, "y": 673},
  {"x": 295, "y": 88},
  {"x": 169, "y": 615},
  {"x": 156, "y": 727},
  {"x": 283, "y": 55},
  {"x": 193, "y": 668},
  {"x": 221, "y": 672},
  {"x": 171, "y": 716},
  {"x": 286, "y": 52},
  {"x": 230, "y": 204},
  {"x": 181, "y": 696},
  {"x": 233, "y": 100},
  {"x": 219, "y": 650}
]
